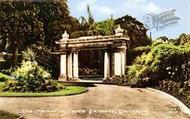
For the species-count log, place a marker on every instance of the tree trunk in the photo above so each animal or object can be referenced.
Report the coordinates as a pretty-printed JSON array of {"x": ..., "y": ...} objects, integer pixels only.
[
  {"x": 15, "y": 55},
  {"x": 46, "y": 33}
]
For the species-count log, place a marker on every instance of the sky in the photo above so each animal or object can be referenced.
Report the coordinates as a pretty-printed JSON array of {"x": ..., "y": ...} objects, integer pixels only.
[{"x": 103, "y": 9}]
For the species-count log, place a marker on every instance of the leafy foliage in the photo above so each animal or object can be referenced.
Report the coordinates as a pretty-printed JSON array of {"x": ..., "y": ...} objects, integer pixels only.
[
  {"x": 30, "y": 78},
  {"x": 46, "y": 59},
  {"x": 18, "y": 26},
  {"x": 89, "y": 27},
  {"x": 29, "y": 55},
  {"x": 90, "y": 17},
  {"x": 183, "y": 39},
  {"x": 86, "y": 27},
  {"x": 4, "y": 77},
  {"x": 105, "y": 27},
  {"x": 135, "y": 30},
  {"x": 135, "y": 52},
  {"x": 23, "y": 23},
  {"x": 54, "y": 15},
  {"x": 163, "y": 62},
  {"x": 68, "y": 90}
]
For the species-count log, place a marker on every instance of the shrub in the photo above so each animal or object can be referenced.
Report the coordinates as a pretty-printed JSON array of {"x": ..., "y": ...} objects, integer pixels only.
[
  {"x": 163, "y": 62},
  {"x": 29, "y": 55},
  {"x": 78, "y": 34},
  {"x": 30, "y": 78},
  {"x": 135, "y": 52},
  {"x": 4, "y": 77},
  {"x": 45, "y": 58}
]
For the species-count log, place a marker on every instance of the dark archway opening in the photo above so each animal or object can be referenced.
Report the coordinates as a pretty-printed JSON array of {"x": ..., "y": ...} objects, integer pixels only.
[{"x": 91, "y": 64}]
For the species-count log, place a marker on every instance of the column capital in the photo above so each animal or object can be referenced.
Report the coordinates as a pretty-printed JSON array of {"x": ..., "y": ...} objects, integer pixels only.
[
  {"x": 63, "y": 53},
  {"x": 75, "y": 50},
  {"x": 63, "y": 50},
  {"x": 119, "y": 49},
  {"x": 107, "y": 50}
]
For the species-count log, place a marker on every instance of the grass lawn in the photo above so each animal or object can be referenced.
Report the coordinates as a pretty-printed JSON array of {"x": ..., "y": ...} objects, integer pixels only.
[
  {"x": 7, "y": 115},
  {"x": 70, "y": 90}
]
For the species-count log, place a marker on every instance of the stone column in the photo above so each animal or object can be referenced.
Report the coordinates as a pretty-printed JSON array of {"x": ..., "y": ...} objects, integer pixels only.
[
  {"x": 106, "y": 65},
  {"x": 63, "y": 64},
  {"x": 112, "y": 64},
  {"x": 117, "y": 64},
  {"x": 75, "y": 65},
  {"x": 63, "y": 67},
  {"x": 123, "y": 58},
  {"x": 70, "y": 65}
]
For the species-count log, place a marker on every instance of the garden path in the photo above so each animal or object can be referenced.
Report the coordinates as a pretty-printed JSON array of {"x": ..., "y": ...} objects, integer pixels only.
[{"x": 100, "y": 102}]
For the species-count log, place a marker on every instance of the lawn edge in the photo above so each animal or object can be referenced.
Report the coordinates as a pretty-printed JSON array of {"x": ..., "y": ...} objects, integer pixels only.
[
  {"x": 181, "y": 105},
  {"x": 38, "y": 96}
]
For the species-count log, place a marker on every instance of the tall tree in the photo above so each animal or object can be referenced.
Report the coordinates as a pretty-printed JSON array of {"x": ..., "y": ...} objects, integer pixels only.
[
  {"x": 91, "y": 24},
  {"x": 90, "y": 16},
  {"x": 86, "y": 26},
  {"x": 55, "y": 18},
  {"x": 135, "y": 30},
  {"x": 19, "y": 26},
  {"x": 23, "y": 23}
]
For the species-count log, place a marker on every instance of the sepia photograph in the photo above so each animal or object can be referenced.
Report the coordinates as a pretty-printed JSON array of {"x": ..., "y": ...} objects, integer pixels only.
[{"x": 94, "y": 59}]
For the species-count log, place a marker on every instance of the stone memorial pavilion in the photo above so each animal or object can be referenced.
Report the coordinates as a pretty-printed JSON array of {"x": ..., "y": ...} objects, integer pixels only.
[{"x": 114, "y": 47}]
